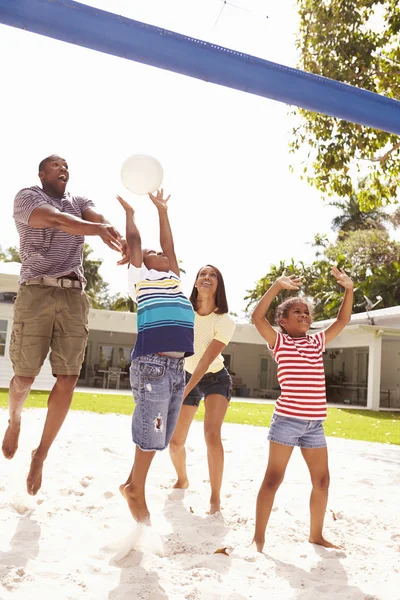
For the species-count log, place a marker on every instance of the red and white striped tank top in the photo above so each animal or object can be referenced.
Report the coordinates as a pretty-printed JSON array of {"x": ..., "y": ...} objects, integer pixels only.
[{"x": 301, "y": 376}]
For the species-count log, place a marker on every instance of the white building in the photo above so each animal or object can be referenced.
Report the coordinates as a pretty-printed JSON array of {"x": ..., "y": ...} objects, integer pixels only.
[{"x": 362, "y": 364}]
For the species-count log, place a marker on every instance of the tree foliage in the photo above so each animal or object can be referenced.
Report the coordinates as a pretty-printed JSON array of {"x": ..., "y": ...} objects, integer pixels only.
[
  {"x": 369, "y": 256},
  {"x": 355, "y": 42}
]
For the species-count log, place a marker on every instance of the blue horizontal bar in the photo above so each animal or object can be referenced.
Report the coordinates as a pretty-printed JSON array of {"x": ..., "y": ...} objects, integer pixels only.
[{"x": 107, "y": 32}]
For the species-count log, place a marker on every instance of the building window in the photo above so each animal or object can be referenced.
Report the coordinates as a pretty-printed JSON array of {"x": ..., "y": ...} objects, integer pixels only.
[
  {"x": 105, "y": 357},
  {"x": 124, "y": 357},
  {"x": 3, "y": 336}
]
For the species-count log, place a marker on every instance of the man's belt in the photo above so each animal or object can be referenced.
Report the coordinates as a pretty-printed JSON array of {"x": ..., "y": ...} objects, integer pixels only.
[{"x": 63, "y": 282}]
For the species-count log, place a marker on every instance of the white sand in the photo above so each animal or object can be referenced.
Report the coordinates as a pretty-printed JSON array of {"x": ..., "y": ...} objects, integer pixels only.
[{"x": 62, "y": 544}]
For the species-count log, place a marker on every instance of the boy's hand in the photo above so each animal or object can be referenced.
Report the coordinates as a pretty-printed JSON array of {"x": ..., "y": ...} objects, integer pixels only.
[
  {"x": 159, "y": 201},
  {"x": 342, "y": 278},
  {"x": 126, "y": 255},
  {"x": 289, "y": 283},
  {"x": 126, "y": 206}
]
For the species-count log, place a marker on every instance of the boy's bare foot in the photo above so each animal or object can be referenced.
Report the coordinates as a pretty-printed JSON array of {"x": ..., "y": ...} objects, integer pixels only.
[
  {"x": 34, "y": 479},
  {"x": 137, "y": 505},
  {"x": 10, "y": 440},
  {"x": 181, "y": 484},
  {"x": 321, "y": 541},
  {"x": 258, "y": 544}
]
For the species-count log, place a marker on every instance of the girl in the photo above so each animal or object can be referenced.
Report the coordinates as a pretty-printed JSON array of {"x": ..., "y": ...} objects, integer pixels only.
[
  {"x": 206, "y": 377},
  {"x": 301, "y": 408},
  {"x": 165, "y": 335}
]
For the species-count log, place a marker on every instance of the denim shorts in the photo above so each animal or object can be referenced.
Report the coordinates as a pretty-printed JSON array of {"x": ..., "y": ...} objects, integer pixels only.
[
  {"x": 157, "y": 384},
  {"x": 297, "y": 432},
  {"x": 211, "y": 383}
]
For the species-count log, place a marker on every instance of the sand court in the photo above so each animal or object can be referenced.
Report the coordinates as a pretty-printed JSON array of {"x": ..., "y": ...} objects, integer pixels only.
[{"x": 76, "y": 538}]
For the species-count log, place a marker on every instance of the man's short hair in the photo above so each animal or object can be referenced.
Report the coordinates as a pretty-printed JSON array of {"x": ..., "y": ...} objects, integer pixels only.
[{"x": 43, "y": 162}]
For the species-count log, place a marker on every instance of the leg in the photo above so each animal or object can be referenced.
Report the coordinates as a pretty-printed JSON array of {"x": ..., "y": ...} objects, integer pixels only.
[
  {"x": 134, "y": 489},
  {"x": 279, "y": 456},
  {"x": 18, "y": 393},
  {"x": 177, "y": 444},
  {"x": 317, "y": 463},
  {"x": 216, "y": 407},
  {"x": 58, "y": 406}
]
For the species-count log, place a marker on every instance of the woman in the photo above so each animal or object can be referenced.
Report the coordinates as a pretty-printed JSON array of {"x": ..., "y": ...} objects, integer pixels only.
[{"x": 206, "y": 377}]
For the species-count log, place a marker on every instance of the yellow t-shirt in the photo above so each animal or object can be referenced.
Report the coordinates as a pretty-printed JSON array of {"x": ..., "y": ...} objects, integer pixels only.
[{"x": 206, "y": 329}]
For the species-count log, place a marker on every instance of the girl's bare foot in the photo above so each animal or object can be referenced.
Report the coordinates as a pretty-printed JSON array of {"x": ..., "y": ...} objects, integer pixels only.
[
  {"x": 215, "y": 507},
  {"x": 321, "y": 541},
  {"x": 258, "y": 544},
  {"x": 10, "y": 440},
  {"x": 34, "y": 479},
  {"x": 181, "y": 484},
  {"x": 122, "y": 489},
  {"x": 137, "y": 504}
]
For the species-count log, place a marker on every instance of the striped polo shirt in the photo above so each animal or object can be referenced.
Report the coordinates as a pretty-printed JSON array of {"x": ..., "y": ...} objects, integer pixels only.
[
  {"x": 301, "y": 376},
  {"x": 48, "y": 252},
  {"x": 165, "y": 317}
]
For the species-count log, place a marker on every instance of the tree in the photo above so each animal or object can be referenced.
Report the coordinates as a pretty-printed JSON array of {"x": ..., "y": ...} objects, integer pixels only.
[
  {"x": 353, "y": 218},
  {"x": 96, "y": 287},
  {"x": 10, "y": 254},
  {"x": 369, "y": 256},
  {"x": 355, "y": 42}
]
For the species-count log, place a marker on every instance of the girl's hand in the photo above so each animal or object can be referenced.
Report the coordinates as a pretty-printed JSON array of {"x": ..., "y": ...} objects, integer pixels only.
[
  {"x": 159, "y": 201},
  {"x": 293, "y": 282},
  {"x": 126, "y": 206},
  {"x": 342, "y": 278}
]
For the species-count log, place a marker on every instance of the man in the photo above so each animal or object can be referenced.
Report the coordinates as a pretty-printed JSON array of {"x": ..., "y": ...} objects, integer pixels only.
[{"x": 51, "y": 308}]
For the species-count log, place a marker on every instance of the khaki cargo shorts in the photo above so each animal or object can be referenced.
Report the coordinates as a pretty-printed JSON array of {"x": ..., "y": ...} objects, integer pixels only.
[{"x": 49, "y": 318}]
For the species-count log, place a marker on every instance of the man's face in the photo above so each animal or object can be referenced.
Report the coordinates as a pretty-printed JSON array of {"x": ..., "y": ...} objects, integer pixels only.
[{"x": 54, "y": 175}]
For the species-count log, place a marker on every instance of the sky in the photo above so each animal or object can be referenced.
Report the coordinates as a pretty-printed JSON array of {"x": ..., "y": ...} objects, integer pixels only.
[{"x": 234, "y": 203}]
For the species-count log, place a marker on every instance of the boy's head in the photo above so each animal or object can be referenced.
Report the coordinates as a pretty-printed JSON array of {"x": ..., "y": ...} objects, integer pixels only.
[
  {"x": 155, "y": 260},
  {"x": 294, "y": 316}
]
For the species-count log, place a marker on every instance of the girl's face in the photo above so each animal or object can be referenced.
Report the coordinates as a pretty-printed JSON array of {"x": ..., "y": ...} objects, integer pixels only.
[
  {"x": 298, "y": 320},
  {"x": 207, "y": 281}
]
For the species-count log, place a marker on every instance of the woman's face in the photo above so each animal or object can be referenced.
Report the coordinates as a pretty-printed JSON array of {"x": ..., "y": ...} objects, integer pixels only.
[{"x": 207, "y": 281}]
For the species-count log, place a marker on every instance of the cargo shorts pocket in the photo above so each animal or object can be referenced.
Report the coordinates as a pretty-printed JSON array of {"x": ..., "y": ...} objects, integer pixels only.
[{"x": 16, "y": 342}]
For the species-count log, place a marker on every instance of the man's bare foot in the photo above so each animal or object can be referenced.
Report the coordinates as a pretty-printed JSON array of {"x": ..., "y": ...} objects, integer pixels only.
[
  {"x": 258, "y": 544},
  {"x": 10, "y": 440},
  {"x": 181, "y": 484},
  {"x": 321, "y": 541},
  {"x": 137, "y": 505},
  {"x": 34, "y": 479}
]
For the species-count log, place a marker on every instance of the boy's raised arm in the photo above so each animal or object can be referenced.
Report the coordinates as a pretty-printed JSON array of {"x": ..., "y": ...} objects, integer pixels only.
[
  {"x": 133, "y": 239},
  {"x": 166, "y": 239}
]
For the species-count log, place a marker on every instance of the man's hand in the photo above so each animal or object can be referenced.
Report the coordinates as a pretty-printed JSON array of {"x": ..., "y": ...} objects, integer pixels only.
[
  {"x": 126, "y": 206},
  {"x": 159, "y": 201},
  {"x": 110, "y": 236}
]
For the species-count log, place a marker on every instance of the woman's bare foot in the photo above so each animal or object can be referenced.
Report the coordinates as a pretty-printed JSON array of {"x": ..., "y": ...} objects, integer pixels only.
[
  {"x": 34, "y": 479},
  {"x": 181, "y": 484},
  {"x": 137, "y": 504},
  {"x": 321, "y": 541},
  {"x": 11, "y": 437},
  {"x": 215, "y": 507},
  {"x": 122, "y": 489},
  {"x": 258, "y": 544}
]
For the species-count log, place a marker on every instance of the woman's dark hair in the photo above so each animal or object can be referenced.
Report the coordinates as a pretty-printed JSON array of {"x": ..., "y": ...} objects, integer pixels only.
[
  {"x": 220, "y": 295},
  {"x": 282, "y": 310}
]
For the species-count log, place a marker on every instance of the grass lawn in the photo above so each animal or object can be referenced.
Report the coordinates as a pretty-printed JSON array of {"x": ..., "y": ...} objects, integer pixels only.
[{"x": 346, "y": 423}]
